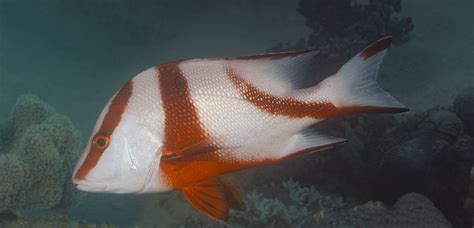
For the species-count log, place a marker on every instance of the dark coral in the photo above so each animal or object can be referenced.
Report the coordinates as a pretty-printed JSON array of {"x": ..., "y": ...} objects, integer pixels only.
[
  {"x": 464, "y": 108},
  {"x": 469, "y": 201},
  {"x": 430, "y": 154}
]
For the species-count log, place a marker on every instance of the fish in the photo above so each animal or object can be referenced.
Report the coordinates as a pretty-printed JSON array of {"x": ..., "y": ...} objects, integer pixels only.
[{"x": 182, "y": 125}]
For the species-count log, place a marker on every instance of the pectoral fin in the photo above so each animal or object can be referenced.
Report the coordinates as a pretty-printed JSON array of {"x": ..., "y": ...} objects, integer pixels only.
[
  {"x": 214, "y": 198},
  {"x": 192, "y": 151}
]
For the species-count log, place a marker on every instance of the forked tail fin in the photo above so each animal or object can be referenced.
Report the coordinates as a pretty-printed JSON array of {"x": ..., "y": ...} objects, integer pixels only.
[{"x": 354, "y": 89}]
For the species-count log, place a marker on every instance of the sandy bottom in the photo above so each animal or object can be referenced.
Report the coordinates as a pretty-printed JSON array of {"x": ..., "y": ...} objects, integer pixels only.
[{"x": 75, "y": 59}]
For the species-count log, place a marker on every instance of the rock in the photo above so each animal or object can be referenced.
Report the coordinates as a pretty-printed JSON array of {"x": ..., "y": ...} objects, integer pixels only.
[
  {"x": 469, "y": 201},
  {"x": 464, "y": 108},
  {"x": 414, "y": 208},
  {"x": 446, "y": 122}
]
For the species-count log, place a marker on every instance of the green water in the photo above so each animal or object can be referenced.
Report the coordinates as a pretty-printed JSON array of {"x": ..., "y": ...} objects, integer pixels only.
[{"x": 75, "y": 54}]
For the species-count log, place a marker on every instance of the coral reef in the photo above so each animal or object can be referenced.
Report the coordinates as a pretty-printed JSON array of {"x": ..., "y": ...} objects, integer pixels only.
[
  {"x": 428, "y": 153},
  {"x": 287, "y": 205},
  {"x": 342, "y": 28},
  {"x": 291, "y": 205},
  {"x": 38, "y": 149}
]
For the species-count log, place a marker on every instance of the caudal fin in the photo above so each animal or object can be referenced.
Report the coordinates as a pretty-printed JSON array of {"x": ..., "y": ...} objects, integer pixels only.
[{"x": 354, "y": 87}]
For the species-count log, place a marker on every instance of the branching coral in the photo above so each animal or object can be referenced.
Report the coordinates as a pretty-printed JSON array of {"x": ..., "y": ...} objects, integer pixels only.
[
  {"x": 285, "y": 205},
  {"x": 38, "y": 148}
]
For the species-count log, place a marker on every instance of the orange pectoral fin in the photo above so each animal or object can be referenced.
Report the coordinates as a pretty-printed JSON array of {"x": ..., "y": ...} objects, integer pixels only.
[{"x": 213, "y": 198}]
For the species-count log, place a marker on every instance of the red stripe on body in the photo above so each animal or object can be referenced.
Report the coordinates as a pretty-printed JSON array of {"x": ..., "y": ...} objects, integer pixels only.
[
  {"x": 182, "y": 127},
  {"x": 109, "y": 123},
  {"x": 292, "y": 108}
]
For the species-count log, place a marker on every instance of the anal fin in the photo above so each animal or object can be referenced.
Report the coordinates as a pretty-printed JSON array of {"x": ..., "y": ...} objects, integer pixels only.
[{"x": 214, "y": 198}]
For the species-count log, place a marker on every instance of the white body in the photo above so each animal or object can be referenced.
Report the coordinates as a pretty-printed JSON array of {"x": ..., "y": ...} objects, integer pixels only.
[{"x": 131, "y": 163}]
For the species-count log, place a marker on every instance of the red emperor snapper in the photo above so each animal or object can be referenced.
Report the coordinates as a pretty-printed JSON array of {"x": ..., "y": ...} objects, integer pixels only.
[{"x": 183, "y": 124}]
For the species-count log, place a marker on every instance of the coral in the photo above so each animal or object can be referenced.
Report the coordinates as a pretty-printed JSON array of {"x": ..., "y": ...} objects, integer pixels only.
[
  {"x": 464, "y": 108},
  {"x": 412, "y": 152},
  {"x": 37, "y": 154},
  {"x": 412, "y": 210},
  {"x": 291, "y": 205},
  {"x": 427, "y": 153}
]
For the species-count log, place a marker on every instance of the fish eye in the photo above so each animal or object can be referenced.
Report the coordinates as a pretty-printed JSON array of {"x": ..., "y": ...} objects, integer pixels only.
[{"x": 101, "y": 141}]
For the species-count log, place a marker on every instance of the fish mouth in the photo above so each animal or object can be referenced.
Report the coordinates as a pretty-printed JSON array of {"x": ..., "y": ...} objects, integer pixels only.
[{"x": 88, "y": 186}]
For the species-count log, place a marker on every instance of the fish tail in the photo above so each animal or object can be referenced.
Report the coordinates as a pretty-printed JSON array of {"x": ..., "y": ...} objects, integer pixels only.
[{"x": 354, "y": 89}]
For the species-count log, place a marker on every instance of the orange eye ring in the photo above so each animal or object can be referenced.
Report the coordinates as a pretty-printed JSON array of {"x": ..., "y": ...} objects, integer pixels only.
[{"x": 101, "y": 141}]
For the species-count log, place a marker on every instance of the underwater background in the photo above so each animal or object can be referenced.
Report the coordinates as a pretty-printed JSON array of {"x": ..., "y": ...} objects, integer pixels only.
[{"x": 61, "y": 60}]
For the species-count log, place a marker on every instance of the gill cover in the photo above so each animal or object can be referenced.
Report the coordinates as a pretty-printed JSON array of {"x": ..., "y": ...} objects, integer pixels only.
[{"x": 121, "y": 153}]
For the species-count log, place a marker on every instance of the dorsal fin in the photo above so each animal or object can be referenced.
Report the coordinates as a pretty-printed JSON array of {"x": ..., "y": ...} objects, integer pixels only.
[
  {"x": 283, "y": 71},
  {"x": 214, "y": 198},
  {"x": 276, "y": 55}
]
